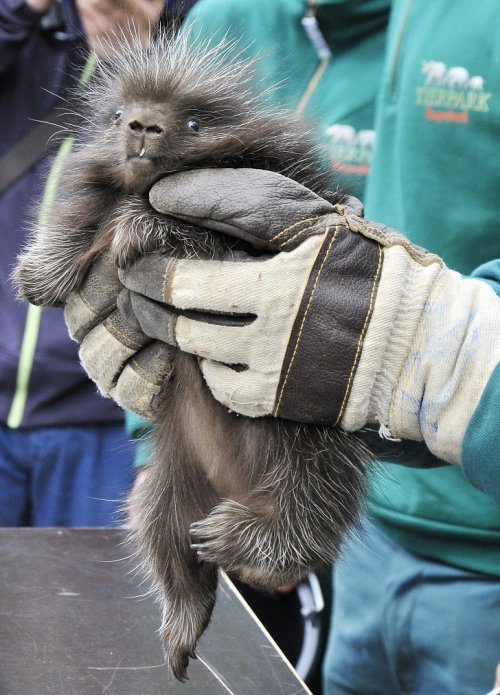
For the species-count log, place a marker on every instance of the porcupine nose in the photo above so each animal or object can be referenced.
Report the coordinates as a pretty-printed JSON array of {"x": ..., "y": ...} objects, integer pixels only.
[
  {"x": 144, "y": 135},
  {"x": 145, "y": 128}
]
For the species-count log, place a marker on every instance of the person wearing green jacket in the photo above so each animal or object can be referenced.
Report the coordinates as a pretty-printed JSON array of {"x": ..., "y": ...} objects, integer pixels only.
[
  {"x": 436, "y": 539},
  {"x": 417, "y": 595}
]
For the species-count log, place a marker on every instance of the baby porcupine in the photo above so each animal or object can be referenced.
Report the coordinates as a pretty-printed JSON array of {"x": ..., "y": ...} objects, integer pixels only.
[{"x": 264, "y": 499}]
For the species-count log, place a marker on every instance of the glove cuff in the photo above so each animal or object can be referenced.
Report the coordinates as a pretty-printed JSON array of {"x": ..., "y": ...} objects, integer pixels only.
[
  {"x": 420, "y": 376},
  {"x": 403, "y": 291},
  {"x": 455, "y": 350}
]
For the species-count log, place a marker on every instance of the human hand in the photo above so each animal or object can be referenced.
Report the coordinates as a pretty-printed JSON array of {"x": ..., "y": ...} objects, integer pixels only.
[
  {"x": 39, "y": 5},
  {"x": 125, "y": 364},
  {"x": 296, "y": 317},
  {"x": 107, "y": 24},
  {"x": 341, "y": 321}
]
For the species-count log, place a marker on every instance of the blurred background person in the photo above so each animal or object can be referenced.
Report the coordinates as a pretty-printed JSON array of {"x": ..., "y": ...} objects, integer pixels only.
[
  {"x": 417, "y": 595},
  {"x": 65, "y": 459}
]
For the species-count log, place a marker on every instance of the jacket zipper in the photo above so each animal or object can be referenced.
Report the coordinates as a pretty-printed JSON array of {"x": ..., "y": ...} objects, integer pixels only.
[
  {"x": 397, "y": 50},
  {"x": 321, "y": 48},
  {"x": 34, "y": 313}
]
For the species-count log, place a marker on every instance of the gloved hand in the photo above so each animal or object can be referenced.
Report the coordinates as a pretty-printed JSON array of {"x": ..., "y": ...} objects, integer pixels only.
[
  {"x": 341, "y": 321},
  {"x": 126, "y": 364}
]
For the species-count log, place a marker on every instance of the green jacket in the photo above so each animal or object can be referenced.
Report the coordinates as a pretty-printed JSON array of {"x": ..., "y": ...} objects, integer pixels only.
[
  {"x": 271, "y": 30},
  {"x": 436, "y": 177}
]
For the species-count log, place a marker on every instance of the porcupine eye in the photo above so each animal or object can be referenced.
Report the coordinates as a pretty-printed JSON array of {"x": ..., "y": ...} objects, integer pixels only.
[
  {"x": 193, "y": 125},
  {"x": 118, "y": 115}
]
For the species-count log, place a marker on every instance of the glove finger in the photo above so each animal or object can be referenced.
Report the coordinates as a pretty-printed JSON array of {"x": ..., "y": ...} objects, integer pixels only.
[
  {"x": 227, "y": 344},
  {"x": 107, "y": 347},
  {"x": 250, "y": 204},
  {"x": 152, "y": 318},
  {"x": 95, "y": 299},
  {"x": 195, "y": 284},
  {"x": 141, "y": 385},
  {"x": 205, "y": 338}
]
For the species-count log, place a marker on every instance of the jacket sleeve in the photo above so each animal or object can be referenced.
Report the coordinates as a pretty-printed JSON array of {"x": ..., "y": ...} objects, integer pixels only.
[
  {"x": 481, "y": 445},
  {"x": 17, "y": 24}
]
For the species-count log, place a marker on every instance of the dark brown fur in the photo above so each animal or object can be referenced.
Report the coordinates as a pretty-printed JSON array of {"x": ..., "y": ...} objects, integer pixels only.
[{"x": 265, "y": 499}]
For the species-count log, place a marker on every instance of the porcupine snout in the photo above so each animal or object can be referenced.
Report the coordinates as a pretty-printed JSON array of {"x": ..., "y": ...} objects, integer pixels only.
[
  {"x": 145, "y": 130},
  {"x": 147, "y": 133}
]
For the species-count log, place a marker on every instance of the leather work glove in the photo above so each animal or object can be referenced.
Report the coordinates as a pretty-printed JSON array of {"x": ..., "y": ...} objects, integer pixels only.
[
  {"x": 339, "y": 321},
  {"x": 126, "y": 364}
]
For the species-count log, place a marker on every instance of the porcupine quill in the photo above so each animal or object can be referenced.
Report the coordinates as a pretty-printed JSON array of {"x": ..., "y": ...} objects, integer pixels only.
[{"x": 265, "y": 499}]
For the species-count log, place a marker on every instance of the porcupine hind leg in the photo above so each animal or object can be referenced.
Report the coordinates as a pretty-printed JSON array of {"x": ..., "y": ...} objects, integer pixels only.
[
  {"x": 173, "y": 496},
  {"x": 295, "y": 518}
]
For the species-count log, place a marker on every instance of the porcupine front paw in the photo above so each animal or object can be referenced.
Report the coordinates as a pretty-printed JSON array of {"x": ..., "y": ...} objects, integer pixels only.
[
  {"x": 137, "y": 231},
  {"x": 125, "y": 250},
  {"x": 35, "y": 285},
  {"x": 252, "y": 546}
]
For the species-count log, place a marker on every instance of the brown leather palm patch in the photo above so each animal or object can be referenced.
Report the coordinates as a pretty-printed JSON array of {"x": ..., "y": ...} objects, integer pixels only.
[{"x": 328, "y": 333}]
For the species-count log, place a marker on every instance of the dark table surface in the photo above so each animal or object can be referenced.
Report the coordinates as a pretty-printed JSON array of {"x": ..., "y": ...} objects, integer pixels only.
[{"x": 73, "y": 622}]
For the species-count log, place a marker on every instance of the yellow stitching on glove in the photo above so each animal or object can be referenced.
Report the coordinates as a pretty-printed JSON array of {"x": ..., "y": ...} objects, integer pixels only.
[
  {"x": 103, "y": 312},
  {"x": 299, "y": 233},
  {"x": 389, "y": 238},
  {"x": 362, "y": 334},
  {"x": 125, "y": 339},
  {"x": 307, "y": 219}
]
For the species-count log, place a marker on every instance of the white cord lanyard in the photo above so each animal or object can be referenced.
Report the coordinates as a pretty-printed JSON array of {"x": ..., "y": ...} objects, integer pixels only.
[{"x": 321, "y": 48}]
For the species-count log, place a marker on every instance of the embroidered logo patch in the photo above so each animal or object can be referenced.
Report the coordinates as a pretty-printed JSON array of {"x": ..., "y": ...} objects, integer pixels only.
[
  {"x": 350, "y": 150},
  {"x": 450, "y": 93}
]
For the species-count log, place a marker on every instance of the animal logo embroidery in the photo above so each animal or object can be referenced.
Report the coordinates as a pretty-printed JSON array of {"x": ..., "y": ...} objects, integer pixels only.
[
  {"x": 350, "y": 150},
  {"x": 451, "y": 93}
]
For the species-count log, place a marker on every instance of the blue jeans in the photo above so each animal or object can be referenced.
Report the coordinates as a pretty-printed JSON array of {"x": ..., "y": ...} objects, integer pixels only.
[
  {"x": 405, "y": 625},
  {"x": 64, "y": 476}
]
